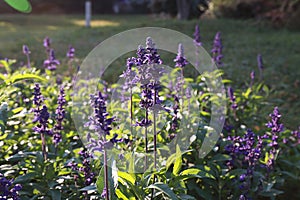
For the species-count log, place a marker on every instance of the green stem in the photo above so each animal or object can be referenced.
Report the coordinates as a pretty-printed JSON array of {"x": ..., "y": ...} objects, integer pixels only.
[{"x": 106, "y": 175}]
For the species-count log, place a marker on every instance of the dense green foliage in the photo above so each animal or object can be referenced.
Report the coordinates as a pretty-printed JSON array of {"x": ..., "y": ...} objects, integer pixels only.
[{"x": 185, "y": 175}]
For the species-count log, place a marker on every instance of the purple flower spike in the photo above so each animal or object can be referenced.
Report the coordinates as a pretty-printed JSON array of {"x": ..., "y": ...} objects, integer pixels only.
[
  {"x": 100, "y": 123},
  {"x": 260, "y": 62},
  {"x": 8, "y": 190},
  {"x": 86, "y": 168},
  {"x": 275, "y": 124},
  {"x": 180, "y": 60},
  {"x": 60, "y": 115},
  {"x": 197, "y": 38},
  {"x": 71, "y": 52},
  {"x": 252, "y": 75},
  {"x": 217, "y": 50},
  {"x": 51, "y": 63},
  {"x": 47, "y": 42},
  {"x": 151, "y": 56},
  {"x": 231, "y": 97},
  {"x": 26, "y": 50}
]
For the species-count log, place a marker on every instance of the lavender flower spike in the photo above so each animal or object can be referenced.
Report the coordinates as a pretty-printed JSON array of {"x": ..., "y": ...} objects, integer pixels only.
[
  {"x": 26, "y": 50},
  {"x": 232, "y": 98},
  {"x": 47, "y": 43},
  {"x": 217, "y": 50},
  {"x": 180, "y": 60},
  {"x": 60, "y": 115},
  {"x": 51, "y": 63},
  {"x": 8, "y": 190},
  {"x": 71, "y": 52},
  {"x": 197, "y": 38}
]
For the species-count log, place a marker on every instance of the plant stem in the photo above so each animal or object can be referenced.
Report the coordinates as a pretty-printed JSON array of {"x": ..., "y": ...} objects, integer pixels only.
[
  {"x": 154, "y": 131},
  {"x": 131, "y": 110},
  {"x": 106, "y": 175},
  {"x": 146, "y": 141},
  {"x": 44, "y": 146},
  {"x": 28, "y": 62},
  {"x": 182, "y": 92}
]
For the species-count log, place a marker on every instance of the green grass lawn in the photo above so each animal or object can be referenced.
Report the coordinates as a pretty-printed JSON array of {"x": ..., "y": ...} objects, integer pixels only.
[{"x": 242, "y": 40}]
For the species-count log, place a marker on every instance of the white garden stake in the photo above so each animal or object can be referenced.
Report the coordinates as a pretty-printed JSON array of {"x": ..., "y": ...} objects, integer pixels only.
[{"x": 88, "y": 13}]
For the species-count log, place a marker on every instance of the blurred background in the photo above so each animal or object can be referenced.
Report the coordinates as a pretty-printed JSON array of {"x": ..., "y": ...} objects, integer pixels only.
[{"x": 279, "y": 12}]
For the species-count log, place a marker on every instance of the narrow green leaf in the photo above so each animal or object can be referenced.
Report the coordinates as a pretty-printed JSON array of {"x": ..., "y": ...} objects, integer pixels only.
[
  {"x": 178, "y": 161},
  {"x": 100, "y": 181},
  {"x": 128, "y": 177},
  {"x": 165, "y": 189},
  {"x": 55, "y": 194},
  {"x": 120, "y": 195}
]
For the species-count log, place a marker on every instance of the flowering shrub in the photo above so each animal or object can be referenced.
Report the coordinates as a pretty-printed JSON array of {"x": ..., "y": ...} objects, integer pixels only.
[{"x": 42, "y": 157}]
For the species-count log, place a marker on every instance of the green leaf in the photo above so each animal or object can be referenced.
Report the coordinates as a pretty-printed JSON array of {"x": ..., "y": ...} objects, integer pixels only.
[
  {"x": 20, "y": 77},
  {"x": 100, "y": 181},
  {"x": 190, "y": 171},
  {"x": 178, "y": 161},
  {"x": 165, "y": 189},
  {"x": 89, "y": 188},
  {"x": 55, "y": 194},
  {"x": 120, "y": 195},
  {"x": 186, "y": 197},
  {"x": 126, "y": 176},
  {"x": 25, "y": 178}
]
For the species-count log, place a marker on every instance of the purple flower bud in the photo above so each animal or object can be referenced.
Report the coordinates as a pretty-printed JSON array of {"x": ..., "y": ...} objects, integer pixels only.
[
  {"x": 252, "y": 75},
  {"x": 217, "y": 50},
  {"x": 26, "y": 50},
  {"x": 180, "y": 60},
  {"x": 71, "y": 52},
  {"x": 51, "y": 63},
  {"x": 47, "y": 42},
  {"x": 260, "y": 62},
  {"x": 197, "y": 38}
]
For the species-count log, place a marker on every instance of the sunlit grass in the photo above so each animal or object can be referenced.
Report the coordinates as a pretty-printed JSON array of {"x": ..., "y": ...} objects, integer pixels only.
[{"x": 96, "y": 23}]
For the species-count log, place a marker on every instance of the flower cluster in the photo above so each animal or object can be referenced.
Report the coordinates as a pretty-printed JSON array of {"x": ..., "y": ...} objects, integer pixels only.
[
  {"x": 51, "y": 63},
  {"x": 217, "y": 50},
  {"x": 71, "y": 52},
  {"x": 86, "y": 167},
  {"x": 60, "y": 115},
  {"x": 232, "y": 98},
  {"x": 8, "y": 190},
  {"x": 197, "y": 38},
  {"x": 180, "y": 60},
  {"x": 245, "y": 152},
  {"x": 100, "y": 123},
  {"x": 41, "y": 114},
  {"x": 276, "y": 128}
]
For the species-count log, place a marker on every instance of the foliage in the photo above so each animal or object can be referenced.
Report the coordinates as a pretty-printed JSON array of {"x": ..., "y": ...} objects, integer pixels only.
[{"x": 249, "y": 160}]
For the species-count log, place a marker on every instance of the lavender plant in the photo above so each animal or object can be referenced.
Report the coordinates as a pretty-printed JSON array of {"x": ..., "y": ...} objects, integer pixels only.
[
  {"x": 41, "y": 115},
  {"x": 8, "y": 190}
]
